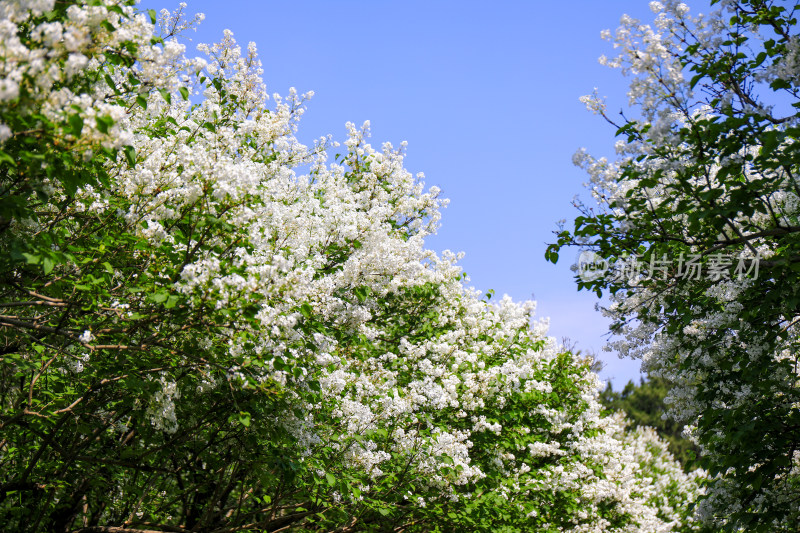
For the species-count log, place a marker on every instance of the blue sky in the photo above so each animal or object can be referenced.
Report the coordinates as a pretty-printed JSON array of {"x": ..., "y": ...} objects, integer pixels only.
[{"x": 486, "y": 96}]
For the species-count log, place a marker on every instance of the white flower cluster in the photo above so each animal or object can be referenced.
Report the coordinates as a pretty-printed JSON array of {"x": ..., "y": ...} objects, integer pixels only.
[
  {"x": 43, "y": 68},
  {"x": 695, "y": 357},
  {"x": 323, "y": 267},
  {"x": 162, "y": 406}
]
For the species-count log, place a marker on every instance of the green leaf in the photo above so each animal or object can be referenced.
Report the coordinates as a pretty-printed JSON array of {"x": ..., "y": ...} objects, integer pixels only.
[
  {"x": 152, "y": 14},
  {"x": 551, "y": 254},
  {"x": 184, "y": 92},
  {"x": 48, "y": 265},
  {"x": 361, "y": 293},
  {"x": 330, "y": 479},
  {"x": 31, "y": 259},
  {"x": 76, "y": 124},
  {"x": 159, "y": 297},
  {"x": 130, "y": 155},
  {"x": 104, "y": 123}
]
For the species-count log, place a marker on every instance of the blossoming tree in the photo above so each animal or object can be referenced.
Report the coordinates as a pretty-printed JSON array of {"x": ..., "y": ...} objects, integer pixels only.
[
  {"x": 207, "y": 326},
  {"x": 696, "y": 238}
]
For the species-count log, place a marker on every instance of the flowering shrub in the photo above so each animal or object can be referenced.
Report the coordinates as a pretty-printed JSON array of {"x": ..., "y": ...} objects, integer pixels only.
[
  {"x": 208, "y": 326},
  {"x": 708, "y": 171}
]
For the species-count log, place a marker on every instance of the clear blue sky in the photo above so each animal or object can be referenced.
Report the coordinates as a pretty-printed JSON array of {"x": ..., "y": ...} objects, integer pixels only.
[{"x": 486, "y": 96}]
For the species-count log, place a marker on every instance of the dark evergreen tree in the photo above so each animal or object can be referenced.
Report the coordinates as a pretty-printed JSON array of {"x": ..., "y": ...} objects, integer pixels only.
[{"x": 644, "y": 405}]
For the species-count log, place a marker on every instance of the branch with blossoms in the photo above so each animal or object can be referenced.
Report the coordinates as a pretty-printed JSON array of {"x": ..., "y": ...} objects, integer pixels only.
[
  {"x": 709, "y": 168},
  {"x": 209, "y": 326}
]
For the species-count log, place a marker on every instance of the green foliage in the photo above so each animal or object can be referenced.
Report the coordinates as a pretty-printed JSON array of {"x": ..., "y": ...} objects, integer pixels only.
[
  {"x": 195, "y": 338},
  {"x": 709, "y": 173}
]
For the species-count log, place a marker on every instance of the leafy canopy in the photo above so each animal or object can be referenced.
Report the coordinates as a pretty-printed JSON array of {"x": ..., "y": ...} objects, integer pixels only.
[
  {"x": 697, "y": 239},
  {"x": 207, "y": 326}
]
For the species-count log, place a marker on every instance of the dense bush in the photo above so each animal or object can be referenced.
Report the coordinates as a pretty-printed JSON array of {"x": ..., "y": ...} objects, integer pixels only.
[
  {"x": 697, "y": 238},
  {"x": 208, "y": 326}
]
